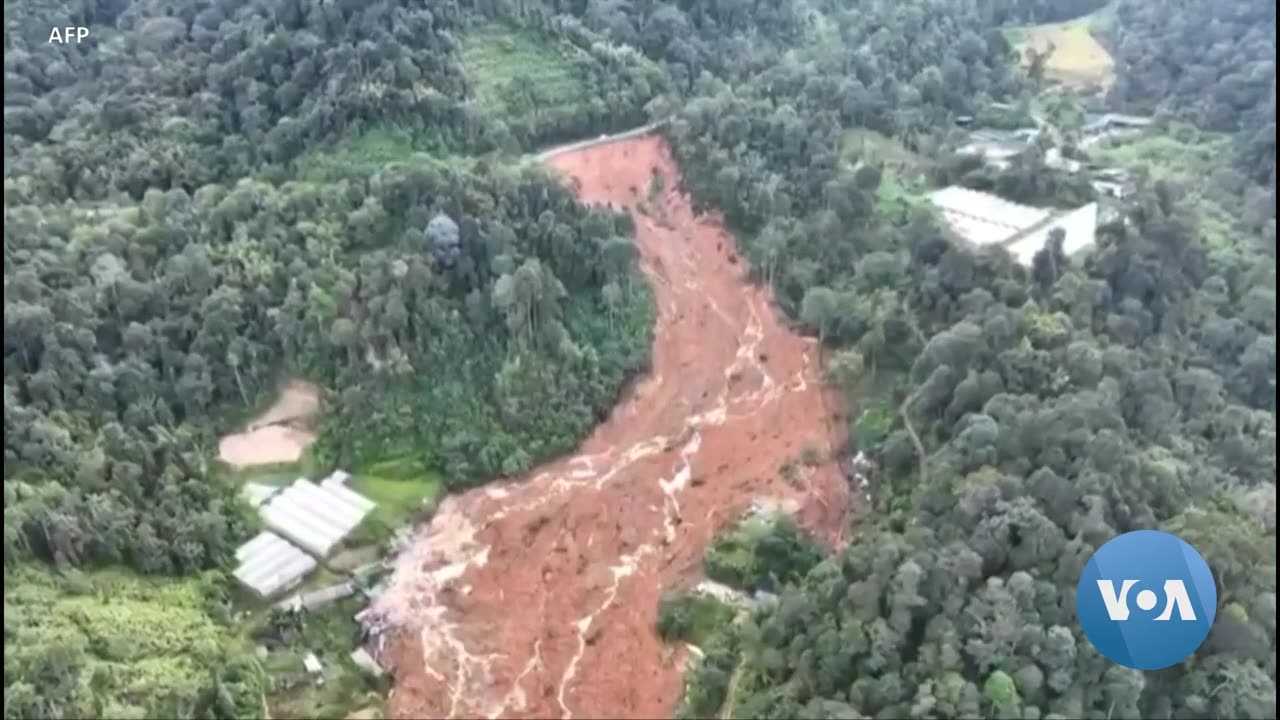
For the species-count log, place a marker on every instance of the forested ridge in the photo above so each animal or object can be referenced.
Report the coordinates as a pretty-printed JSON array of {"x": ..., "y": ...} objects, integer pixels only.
[
  {"x": 167, "y": 264},
  {"x": 171, "y": 253},
  {"x": 180, "y": 94},
  {"x": 1214, "y": 63},
  {"x": 1037, "y": 413}
]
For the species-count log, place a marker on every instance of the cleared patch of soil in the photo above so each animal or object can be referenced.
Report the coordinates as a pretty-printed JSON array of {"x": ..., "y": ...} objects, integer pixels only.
[
  {"x": 280, "y": 434},
  {"x": 537, "y": 598},
  {"x": 1075, "y": 57}
]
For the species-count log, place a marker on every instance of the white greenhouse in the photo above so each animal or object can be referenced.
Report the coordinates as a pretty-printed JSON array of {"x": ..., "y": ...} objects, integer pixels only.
[
  {"x": 305, "y": 521},
  {"x": 985, "y": 220},
  {"x": 315, "y": 517},
  {"x": 1080, "y": 226},
  {"x": 269, "y": 564}
]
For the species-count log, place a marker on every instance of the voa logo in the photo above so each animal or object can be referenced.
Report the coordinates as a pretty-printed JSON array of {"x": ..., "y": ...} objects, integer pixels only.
[{"x": 1146, "y": 600}]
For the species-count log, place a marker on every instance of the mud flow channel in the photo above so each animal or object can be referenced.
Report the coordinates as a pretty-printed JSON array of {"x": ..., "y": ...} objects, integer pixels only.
[{"x": 537, "y": 598}]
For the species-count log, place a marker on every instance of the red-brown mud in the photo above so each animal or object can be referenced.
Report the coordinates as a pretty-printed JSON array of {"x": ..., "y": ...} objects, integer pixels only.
[{"x": 537, "y": 598}]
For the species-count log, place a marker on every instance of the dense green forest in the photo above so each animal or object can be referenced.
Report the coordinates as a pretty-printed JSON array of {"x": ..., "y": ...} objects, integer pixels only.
[
  {"x": 198, "y": 202},
  {"x": 1034, "y": 413},
  {"x": 205, "y": 197},
  {"x": 167, "y": 95},
  {"x": 1211, "y": 62}
]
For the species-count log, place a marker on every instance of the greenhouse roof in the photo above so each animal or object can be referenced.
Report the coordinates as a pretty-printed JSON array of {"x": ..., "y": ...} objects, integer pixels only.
[
  {"x": 983, "y": 220},
  {"x": 269, "y": 564},
  {"x": 315, "y": 517}
]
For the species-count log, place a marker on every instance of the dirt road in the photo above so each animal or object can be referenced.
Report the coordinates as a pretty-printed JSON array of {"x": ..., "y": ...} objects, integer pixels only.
[{"x": 537, "y": 598}]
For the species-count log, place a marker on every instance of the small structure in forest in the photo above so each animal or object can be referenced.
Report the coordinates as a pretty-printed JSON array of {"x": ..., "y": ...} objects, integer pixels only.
[
  {"x": 1054, "y": 158},
  {"x": 312, "y": 664},
  {"x": 1113, "y": 182},
  {"x": 363, "y": 660},
  {"x": 999, "y": 148},
  {"x": 256, "y": 493},
  {"x": 1115, "y": 121},
  {"x": 318, "y": 598},
  {"x": 1101, "y": 129}
]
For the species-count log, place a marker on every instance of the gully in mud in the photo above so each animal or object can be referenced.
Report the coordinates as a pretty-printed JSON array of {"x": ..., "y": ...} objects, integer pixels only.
[{"x": 537, "y": 598}]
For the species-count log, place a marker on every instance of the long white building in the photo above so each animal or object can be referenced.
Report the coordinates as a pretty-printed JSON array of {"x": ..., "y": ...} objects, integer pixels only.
[
  {"x": 984, "y": 220},
  {"x": 269, "y": 564},
  {"x": 1080, "y": 226},
  {"x": 315, "y": 517}
]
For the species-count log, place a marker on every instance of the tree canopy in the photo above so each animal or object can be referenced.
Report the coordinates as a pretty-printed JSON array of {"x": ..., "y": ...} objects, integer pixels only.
[
  {"x": 172, "y": 253},
  {"x": 1023, "y": 416},
  {"x": 206, "y": 197}
]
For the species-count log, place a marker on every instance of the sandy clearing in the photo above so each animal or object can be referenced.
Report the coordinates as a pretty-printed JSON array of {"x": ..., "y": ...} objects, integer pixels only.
[
  {"x": 1076, "y": 58},
  {"x": 537, "y": 598},
  {"x": 279, "y": 435}
]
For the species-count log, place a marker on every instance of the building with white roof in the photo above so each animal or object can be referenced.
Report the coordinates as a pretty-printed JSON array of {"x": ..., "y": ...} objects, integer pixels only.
[
  {"x": 1102, "y": 129},
  {"x": 319, "y": 598},
  {"x": 1108, "y": 121},
  {"x": 268, "y": 564},
  {"x": 985, "y": 220},
  {"x": 1080, "y": 226},
  {"x": 1054, "y": 158},
  {"x": 982, "y": 218},
  {"x": 363, "y": 660},
  {"x": 998, "y": 148},
  {"x": 304, "y": 522},
  {"x": 315, "y": 517}
]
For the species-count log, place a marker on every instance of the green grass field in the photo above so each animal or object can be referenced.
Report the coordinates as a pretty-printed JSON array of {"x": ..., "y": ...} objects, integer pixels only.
[
  {"x": 1183, "y": 156},
  {"x": 896, "y": 195},
  {"x": 403, "y": 490},
  {"x": 512, "y": 70}
]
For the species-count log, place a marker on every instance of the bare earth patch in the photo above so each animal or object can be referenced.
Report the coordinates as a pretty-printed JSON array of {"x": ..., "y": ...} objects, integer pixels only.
[
  {"x": 279, "y": 435},
  {"x": 1076, "y": 58},
  {"x": 538, "y": 598}
]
